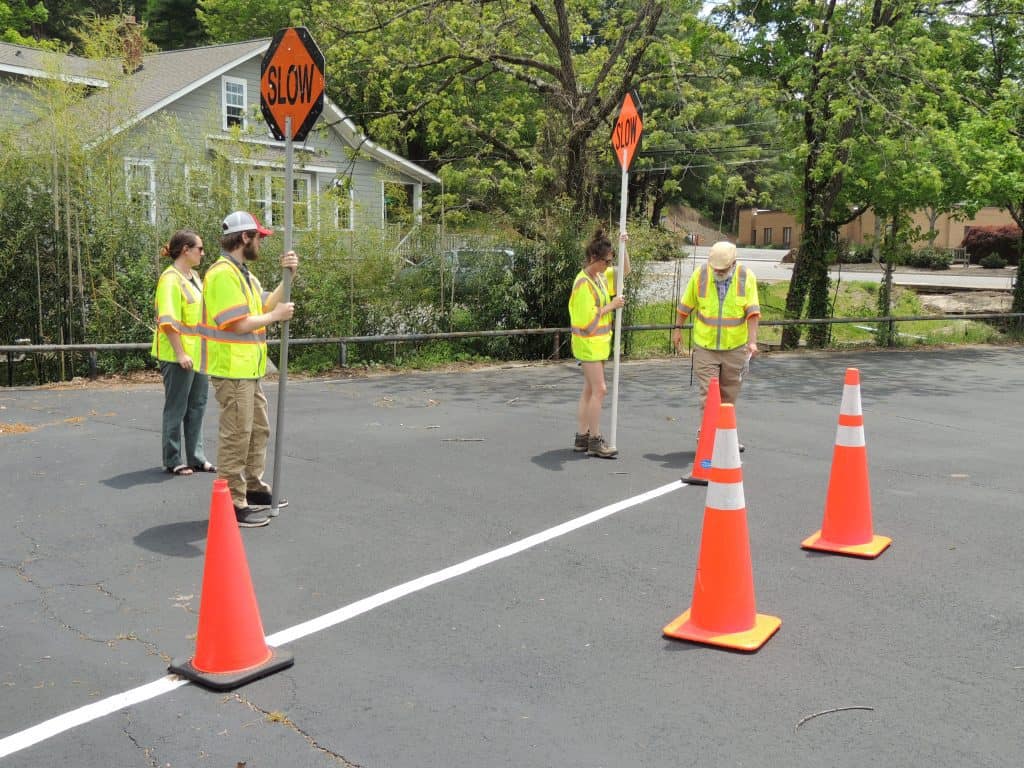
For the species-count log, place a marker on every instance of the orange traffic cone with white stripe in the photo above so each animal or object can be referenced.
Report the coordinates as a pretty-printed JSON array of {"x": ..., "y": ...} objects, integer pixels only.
[
  {"x": 230, "y": 647},
  {"x": 701, "y": 472},
  {"x": 846, "y": 528},
  {"x": 723, "y": 610}
]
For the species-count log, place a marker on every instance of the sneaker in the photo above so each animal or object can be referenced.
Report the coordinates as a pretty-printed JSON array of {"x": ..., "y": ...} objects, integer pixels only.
[
  {"x": 248, "y": 517},
  {"x": 596, "y": 446},
  {"x": 581, "y": 442},
  {"x": 263, "y": 499}
]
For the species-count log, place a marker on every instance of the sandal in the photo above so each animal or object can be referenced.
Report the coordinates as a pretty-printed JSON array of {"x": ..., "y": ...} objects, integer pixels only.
[
  {"x": 181, "y": 469},
  {"x": 204, "y": 467}
]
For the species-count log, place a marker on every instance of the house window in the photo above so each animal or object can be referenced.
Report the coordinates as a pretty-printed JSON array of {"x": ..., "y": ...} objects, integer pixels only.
[
  {"x": 233, "y": 98},
  {"x": 140, "y": 188},
  {"x": 197, "y": 186},
  {"x": 753, "y": 235},
  {"x": 398, "y": 202},
  {"x": 767, "y": 236},
  {"x": 265, "y": 197},
  {"x": 787, "y": 235},
  {"x": 342, "y": 196}
]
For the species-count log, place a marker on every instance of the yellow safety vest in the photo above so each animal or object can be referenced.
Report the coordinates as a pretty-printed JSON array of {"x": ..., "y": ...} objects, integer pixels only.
[
  {"x": 591, "y": 331},
  {"x": 228, "y": 297},
  {"x": 720, "y": 326},
  {"x": 176, "y": 306}
]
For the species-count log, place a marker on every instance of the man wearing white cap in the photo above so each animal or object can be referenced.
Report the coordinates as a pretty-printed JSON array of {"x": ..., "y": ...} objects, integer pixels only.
[
  {"x": 234, "y": 315},
  {"x": 722, "y": 299}
]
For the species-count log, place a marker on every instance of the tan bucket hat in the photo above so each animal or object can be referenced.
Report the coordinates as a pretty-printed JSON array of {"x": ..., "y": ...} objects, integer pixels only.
[{"x": 722, "y": 255}]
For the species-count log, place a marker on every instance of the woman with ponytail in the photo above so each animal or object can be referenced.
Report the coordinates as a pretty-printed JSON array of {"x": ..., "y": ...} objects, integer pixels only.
[
  {"x": 176, "y": 348},
  {"x": 591, "y": 307}
]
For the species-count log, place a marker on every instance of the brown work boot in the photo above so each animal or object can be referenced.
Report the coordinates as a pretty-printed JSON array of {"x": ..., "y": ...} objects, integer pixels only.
[
  {"x": 596, "y": 446},
  {"x": 581, "y": 442}
]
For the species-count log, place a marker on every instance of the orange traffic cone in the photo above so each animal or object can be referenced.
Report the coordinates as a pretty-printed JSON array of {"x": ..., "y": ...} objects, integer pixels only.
[
  {"x": 230, "y": 646},
  {"x": 723, "y": 609},
  {"x": 701, "y": 472},
  {"x": 847, "y": 525}
]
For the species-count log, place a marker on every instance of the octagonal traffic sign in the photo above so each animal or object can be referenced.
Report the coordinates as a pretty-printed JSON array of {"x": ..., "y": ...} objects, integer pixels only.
[
  {"x": 292, "y": 83},
  {"x": 629, "y": 125}
]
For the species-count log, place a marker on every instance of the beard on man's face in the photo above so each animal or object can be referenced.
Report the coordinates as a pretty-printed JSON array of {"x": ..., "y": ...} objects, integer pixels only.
[{"x": 251, "y": 250}]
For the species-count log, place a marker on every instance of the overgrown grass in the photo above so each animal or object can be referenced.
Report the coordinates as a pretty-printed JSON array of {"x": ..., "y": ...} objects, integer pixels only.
[{"x": 854, "y": 299}]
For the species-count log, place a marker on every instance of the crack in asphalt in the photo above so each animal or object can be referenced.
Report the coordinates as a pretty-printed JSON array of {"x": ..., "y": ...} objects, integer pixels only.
[
  {"x": 50, "y": 613},
  {"x": 278, "y": 717},
  {"x": 146, "y": 751}
]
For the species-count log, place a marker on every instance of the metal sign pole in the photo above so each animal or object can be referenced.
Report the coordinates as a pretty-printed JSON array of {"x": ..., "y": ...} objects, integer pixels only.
[
  {"x": 286, "y": 281},
  {"x": 623, "y": 200}
]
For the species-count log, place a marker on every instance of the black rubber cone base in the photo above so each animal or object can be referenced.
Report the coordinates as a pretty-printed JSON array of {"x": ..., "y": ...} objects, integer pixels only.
[
  {"x": 695, "y": 481},
  {"x": 228, "y": 681}
]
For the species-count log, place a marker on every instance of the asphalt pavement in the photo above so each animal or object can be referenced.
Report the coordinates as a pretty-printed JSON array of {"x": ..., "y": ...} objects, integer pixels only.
[{"x": 462, "y": 590}]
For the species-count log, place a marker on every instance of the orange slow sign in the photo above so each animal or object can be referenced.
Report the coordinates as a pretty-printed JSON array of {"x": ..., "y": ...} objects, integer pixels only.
[
  {"x": 628, "y": 127},
  {"x": 292, "y": 83}
]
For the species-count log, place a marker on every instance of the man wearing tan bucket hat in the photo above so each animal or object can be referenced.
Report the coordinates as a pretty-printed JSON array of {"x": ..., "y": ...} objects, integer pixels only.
[{"x": 722, "y": 299}]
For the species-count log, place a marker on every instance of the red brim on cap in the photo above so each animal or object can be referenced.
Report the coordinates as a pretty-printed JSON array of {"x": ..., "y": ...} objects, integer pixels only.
[{"x": 261, "y": 229}]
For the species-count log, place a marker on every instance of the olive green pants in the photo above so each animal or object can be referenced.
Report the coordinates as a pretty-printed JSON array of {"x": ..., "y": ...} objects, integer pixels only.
[{"x": 242, "y": 436}]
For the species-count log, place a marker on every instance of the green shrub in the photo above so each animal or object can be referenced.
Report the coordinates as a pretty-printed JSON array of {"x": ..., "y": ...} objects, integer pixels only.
[
  {"x": 992, "y": 261},
  {"x": 929, "y": 258}
]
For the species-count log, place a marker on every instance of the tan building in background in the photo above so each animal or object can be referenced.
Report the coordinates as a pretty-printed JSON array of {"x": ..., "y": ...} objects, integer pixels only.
[{"x": 767, "y": 228}]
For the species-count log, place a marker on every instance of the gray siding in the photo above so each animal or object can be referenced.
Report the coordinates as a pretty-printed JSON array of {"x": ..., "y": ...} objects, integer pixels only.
[{"x": 199, "y": 117}]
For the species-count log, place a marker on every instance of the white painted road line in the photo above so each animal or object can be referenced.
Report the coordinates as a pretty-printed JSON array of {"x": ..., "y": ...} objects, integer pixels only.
[{"x": 54, "y": 726}]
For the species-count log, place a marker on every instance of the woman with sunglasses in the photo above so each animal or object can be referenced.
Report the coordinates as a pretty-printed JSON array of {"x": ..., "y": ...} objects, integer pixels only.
[
  {"x": 175, "y": 345},
  {"x": 591, "y": 305}
]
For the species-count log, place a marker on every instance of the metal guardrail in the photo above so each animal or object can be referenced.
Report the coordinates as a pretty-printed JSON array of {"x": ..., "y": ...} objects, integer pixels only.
[{"x": 16, "y": 352}]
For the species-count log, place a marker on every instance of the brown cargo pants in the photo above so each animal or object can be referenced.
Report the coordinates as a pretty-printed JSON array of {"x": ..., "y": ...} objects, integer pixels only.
[{"x": 242, "y": 436}]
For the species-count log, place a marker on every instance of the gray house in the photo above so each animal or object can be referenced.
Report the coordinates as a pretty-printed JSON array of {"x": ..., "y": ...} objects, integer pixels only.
[{"x": 209, "y": 97}]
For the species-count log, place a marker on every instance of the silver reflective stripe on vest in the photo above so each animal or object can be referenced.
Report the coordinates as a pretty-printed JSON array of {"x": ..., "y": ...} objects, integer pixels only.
[
  {"x": 720, "y": 322},
  {"x": 234, "y": 338},
  {"x": 233, "y": 313}
]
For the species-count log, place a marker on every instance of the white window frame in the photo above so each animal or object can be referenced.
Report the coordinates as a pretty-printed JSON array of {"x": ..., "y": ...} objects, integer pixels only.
[
  {"x": 191, "y": 187},
  {"x": 384, "y": 199},
  {"x": 264, "y": 197},
  {"x": 132, "y": 163},
  {"x": 224, "y": 82},
  {"x": 337, "y": 193}
]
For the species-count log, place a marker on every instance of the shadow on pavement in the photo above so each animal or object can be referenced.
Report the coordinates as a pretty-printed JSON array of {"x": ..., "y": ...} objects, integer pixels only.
[
  {"x": 555, "y": 460},
  {"x": 174, "y": 539},
  {"x": 149, "y": 476},
  {"x": 678, "y": 460}
]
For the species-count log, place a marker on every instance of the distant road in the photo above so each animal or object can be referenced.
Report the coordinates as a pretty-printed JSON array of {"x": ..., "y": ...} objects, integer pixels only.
[{"x": 766, "y": 263}]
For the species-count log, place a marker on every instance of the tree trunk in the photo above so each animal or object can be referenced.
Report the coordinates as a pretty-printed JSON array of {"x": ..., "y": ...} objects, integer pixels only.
[
  {"x": 809, "y": 286},
  {"x": 575, "y": 174}
]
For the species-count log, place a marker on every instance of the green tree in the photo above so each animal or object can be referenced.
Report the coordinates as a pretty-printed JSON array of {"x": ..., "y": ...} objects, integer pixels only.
[
  {"x": 993, "y": 130},
  {"x": 512, "y": 99},
  {"x": 173, "y": 24},
  {"x": 228, "y": 21},
  {"x": 829, "y": 61},
  {"x": 19, "y": 21}
]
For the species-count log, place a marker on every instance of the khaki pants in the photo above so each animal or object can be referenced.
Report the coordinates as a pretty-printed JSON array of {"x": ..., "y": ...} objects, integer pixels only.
[
  {"x": 242, "y": 436},
  {"x": 728, "y": 365}
]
